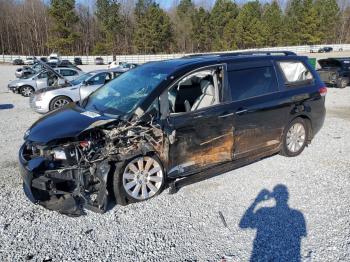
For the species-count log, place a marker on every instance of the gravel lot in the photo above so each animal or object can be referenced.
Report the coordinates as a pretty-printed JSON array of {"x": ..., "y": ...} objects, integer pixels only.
[{"x": 186, "y": 226}]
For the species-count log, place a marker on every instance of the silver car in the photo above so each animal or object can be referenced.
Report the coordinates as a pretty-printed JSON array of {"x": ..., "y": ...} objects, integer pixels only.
[
  {"x": 52, "y": 98},
  {"x": 31, "y": 83}
]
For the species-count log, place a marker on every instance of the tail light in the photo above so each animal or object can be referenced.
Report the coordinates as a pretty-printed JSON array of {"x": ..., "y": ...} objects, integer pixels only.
[{"x": 323, "y": 91}]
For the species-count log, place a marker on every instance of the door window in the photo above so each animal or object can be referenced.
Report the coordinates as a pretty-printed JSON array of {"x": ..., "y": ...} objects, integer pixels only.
[
  {"x": 252, "y": 82},
  {"x": 195, "y": 91},
  {"x": 98, "y": 79},
  {"x": 67, "y": 72}
]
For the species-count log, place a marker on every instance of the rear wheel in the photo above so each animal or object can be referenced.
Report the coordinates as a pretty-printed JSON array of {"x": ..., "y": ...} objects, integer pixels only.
[
  {"x": 139, "y": 179},
  {"x": 59, "y": 102},
  {"x": 342, "y": 83},
  {"x": 27, "y": 91},
  {"x": 295, "y": 138}
]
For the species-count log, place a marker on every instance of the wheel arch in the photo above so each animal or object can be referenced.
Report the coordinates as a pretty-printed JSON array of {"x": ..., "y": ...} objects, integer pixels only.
[{"x": 53, "y": 98}]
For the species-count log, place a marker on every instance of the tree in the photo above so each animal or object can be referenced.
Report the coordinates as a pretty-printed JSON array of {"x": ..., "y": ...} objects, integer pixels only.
[
  {"x": 329, "y": 17},
  {"x": 223, "y": 12},
  {"x": 153, "y": 30},
  {"x": 108, "y": 14},
  {"x": 250, "y": 30},
  {"x": 64, "y": 18},
  {"x": 201, "y": 30},
  {"x": 183, "y": 25},
  {"x": 272, "y": 19}
]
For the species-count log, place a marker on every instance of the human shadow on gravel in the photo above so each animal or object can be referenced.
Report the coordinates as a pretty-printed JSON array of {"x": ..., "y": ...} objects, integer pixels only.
[
  {"x": 6, "y": 106},
  {"x": 279, "y": 228}
]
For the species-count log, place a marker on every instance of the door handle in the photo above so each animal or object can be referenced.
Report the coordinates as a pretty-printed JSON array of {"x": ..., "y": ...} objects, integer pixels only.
[
  {"x": 241, "y": 111},
  {"x": 226, "y": 115}
]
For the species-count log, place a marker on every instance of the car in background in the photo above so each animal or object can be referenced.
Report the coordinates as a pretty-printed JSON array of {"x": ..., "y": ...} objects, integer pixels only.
[
  {"x": 29, "y": 60},
  {"x": 52, "y": 98},
  {"x": 314, "y": 49},
  {"x": 78, "y": 61},
  {"x": 46, "y": 77},
  {"x": 54, "y": 58},
  {"x": 122, "y": 65},
  {"x": 43, "y": 59},
  {"x": 98, "y": 61},
  {"x": 17, "y": 61},
  {"x": 335, "y": 71},
  {"x": 325, "y": 49}
]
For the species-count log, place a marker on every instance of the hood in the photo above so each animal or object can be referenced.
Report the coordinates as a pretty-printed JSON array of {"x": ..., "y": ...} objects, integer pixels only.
[
  {"x": 67, "y": 122},
  {"x": 50, "y": 88},
  {"x": 20, "y": 81}
]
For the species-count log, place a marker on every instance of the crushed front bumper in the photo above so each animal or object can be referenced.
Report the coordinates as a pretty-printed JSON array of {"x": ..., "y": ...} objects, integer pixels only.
[
  {"x": 14, "y": 89},
  {"x": 42, "y": 188}
]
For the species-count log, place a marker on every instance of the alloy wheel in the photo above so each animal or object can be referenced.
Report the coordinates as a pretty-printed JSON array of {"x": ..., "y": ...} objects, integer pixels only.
[
  {"x": 296, "y": 136},
  {"x": 60, "y": 103},
  {"x": 27, "y": 91},
  {"x": 143, "y": 177}
]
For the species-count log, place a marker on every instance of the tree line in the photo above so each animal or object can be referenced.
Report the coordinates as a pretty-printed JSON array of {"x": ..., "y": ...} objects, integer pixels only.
[{"x": 142, "y": 27}]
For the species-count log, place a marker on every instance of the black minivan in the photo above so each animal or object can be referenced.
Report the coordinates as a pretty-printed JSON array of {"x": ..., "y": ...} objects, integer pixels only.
[{"x": 167, "y": 120}]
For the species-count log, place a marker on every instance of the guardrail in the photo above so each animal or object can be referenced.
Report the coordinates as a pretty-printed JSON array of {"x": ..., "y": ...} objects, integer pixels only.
[{"x": 140, "y": 59}]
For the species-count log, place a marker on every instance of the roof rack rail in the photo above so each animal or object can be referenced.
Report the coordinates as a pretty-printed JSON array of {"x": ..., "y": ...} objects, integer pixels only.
[{"x": 286, "y": 53}]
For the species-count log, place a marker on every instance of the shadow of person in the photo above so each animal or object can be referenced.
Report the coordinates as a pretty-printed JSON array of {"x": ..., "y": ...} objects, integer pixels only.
[{"x": 279, "y": 228}]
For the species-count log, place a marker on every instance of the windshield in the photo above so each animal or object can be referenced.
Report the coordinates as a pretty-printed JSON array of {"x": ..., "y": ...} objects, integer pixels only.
[
  {"x": 80, "y": 79},
  {"x": 125, "y": 93}
]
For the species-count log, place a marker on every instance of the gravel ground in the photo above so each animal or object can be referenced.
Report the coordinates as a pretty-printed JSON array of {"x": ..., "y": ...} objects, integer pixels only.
[{"x": 187, "y": 226}]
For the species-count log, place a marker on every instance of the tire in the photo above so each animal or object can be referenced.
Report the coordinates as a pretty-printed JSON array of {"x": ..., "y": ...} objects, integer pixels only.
[
  {"x": 342, "y": 83},
  {"x": 59, "y": 102},
  {"x": 130, "y": 186},
  {"x": 295, "y": 138},
  {"x": 27, "y": 91}
]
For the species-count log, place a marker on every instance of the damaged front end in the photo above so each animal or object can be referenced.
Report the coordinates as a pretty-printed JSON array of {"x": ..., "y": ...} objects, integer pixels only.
[{"x": 70, "y": 176}]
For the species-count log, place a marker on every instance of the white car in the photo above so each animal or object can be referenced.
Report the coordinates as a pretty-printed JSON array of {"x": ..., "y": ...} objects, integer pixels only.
[
  {"x": 52, "y": 98},
  {"x": 122, "y": 65},
  {"x": 54, "y": 58},
  {"x": 29, "y": 60},
  {"x": 27, "y": 86}
]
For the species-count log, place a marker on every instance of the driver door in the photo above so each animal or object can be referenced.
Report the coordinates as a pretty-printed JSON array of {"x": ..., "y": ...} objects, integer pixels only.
[
  {"x": 42, "y": 80},
  {"x": 203, "y": 136}
]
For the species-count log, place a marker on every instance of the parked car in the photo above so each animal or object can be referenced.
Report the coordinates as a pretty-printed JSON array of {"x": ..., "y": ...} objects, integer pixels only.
[
  {"x": 98, "y": 61},
  {"x": 43, "y": 59},
  {"x": 17, "y": 61},
  {"x": 54, "y": 58},
  {"x": 51, "y": 98},
  {"x": 167, "y": 120},
  {"x": 44, "y": 78},
  {"x": 124, "y": 66},
  {"x": 314, "y": 49},
  {"x": 325, "y": 49},
  {"x": 77, "y": 61},
  {"x": 335, "y": 71},
  {"x": 29, "y": 60}
]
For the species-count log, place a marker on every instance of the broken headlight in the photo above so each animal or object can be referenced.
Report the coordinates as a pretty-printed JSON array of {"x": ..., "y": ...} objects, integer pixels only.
[{"x": 59, "y": 154}]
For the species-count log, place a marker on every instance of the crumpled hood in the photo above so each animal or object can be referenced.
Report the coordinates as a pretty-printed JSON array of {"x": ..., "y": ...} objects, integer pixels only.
[{"x": 65, "y": 123}]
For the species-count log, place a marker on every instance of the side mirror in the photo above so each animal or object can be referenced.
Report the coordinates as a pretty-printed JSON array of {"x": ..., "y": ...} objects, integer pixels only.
[{"x": 85, "y": 83}]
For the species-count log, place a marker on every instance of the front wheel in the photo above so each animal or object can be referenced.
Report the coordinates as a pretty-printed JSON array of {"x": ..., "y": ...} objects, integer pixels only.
[
  {"x": 27, "y": 91},
  {"x": 59, "y": 102},
  {"x": 295, "y": 138},
  {"x": 138, "y": 179}
]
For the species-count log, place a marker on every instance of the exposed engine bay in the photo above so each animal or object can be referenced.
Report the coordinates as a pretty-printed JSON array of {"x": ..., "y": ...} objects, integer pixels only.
[{"x": 71, "y": 176}]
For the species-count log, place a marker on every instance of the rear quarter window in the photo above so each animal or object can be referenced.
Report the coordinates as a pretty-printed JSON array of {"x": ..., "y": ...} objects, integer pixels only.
[
  {"x": 295, "y": 73},
  {"x": 252, "y": 82}
]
